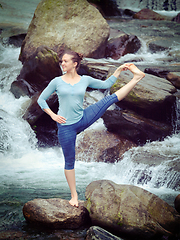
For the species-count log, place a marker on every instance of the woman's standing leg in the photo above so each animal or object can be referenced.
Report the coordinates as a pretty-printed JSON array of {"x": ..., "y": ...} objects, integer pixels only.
[
  {"x": 67, "y": 139},
  {"x": 138, "y": 75},
  {"x": 71, "y": 180}
]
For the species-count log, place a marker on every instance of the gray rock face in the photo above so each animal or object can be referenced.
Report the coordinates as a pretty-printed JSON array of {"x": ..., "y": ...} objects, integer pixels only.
[
  {"x": 152, "y": 97},
  {"x": 55, "y": 213},
  {"x": 60, "y": 24},
  {"x": 101, "y": 146},
  {"x": 130, "y": 210}
]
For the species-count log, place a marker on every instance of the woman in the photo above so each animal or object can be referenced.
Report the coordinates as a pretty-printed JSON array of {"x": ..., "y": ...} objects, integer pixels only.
[{"x": 71, "y": 117}]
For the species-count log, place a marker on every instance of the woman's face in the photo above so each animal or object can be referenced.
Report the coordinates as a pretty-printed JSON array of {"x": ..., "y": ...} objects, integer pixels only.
[{"x": 67, "y": 63}]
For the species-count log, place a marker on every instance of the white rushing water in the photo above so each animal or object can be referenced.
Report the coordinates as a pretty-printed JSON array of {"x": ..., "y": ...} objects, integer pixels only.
[{"x": 171, "y": 5}]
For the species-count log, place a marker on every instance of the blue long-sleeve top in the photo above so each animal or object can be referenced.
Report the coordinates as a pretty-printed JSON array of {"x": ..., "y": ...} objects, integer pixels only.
[{"x": 71, "y": 96}]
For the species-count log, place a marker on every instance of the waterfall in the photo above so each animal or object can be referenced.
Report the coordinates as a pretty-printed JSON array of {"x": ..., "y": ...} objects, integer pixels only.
[{"x": 167, "y": 5}]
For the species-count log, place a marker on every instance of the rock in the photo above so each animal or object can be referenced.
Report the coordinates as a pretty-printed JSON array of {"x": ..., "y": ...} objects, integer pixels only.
[
  {"x": 5, "y": 235},
  {"x": 97, "y": 233},
  {"x": 174, "y": 78},
  {"x": 130, "y": 211},
  {"x": 55, "y": 21},
  {"x": 149, "y": 14},
  {"x": 94, "y": 69},
  {"x": 128, "y": 12},
  {"x": 34, "y": 112},
  {"x": 38, "y": 70},
  {"x": 55, "y": 213},
  {"x": 157, "y": 72},
  {"x": 160, "y": 45},
  {"x": 177, "y": 203},
  {"x": 41, "y": 123},
  {"x": 177, "y": 18},
  {"x": 17, "y": 39},
  {"x": 21, "y": 88},
  {"x": 101, "y": 146},
  {"x": 122, "y": 45},
  {"x": 107, "y": 7},
  {"x": 134, "y": 127},
  {"x": 152, "y": 97}
]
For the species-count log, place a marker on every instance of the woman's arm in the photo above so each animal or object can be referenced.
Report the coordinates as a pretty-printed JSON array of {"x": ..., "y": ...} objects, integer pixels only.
[
  {"x": 44, "y": 106},
  {"x": 99, "y": 84},
  {"x": 120, "y": 69}
]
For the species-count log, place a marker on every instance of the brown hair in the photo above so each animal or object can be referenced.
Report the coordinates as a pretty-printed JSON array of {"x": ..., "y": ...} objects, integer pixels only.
[{"x": 76, "y": 57}]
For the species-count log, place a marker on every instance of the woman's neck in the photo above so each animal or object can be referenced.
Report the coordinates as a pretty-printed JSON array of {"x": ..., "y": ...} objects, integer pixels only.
[{"x": 71, "y": 77}]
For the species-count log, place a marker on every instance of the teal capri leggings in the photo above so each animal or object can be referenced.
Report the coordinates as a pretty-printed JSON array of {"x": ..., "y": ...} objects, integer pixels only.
[{"x": 67, "y": 133}]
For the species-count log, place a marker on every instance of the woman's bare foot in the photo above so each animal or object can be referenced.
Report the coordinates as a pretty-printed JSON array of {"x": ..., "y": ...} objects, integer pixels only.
[
  {"x": 74, "y": 201},
  {"x": 138, "y": 74}
]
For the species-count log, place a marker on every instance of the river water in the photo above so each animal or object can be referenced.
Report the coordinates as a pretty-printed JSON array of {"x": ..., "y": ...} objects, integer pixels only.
[{"x": 28, "y": 172}]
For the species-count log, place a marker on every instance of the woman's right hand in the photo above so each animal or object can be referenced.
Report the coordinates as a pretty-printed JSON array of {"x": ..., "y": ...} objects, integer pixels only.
[
  {"x": 54, "y": 116},
  {"x": 58, "y": 118}
]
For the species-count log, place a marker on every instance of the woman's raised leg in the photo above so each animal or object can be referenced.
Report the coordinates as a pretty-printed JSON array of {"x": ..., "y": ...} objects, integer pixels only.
[{"x": 138, "y": 75}]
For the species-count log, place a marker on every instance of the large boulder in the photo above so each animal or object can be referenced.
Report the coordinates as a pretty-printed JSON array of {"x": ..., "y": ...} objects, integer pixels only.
[
  {"x": 37, "y": 71},
  {"x": 121, "y": 44},
  {"x": 61, "y": 24},
  {"x": 173, "y": 77},
  {"x": 55, "y": 213},
  {"x": 130, "y": 211},
  {"x": 134, "y": 127},
  {"x": 101, "y": 146},
  {"x": 152, "y": 97}
]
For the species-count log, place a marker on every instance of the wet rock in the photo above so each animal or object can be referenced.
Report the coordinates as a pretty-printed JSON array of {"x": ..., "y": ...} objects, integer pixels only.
[
  {"x": 122, "y": 45},
  {"x": 97, "y": 233},
  {"x": 174, "y": 78},
  {"x": 177, "y": 18},
  {"x": 21, "y": 88},
  {"x": 38, "y": 70},
  {"x": 157, "y": 72},
  {"x": 160, "y": 45},
  {"x": 151, "y": 98},
  {"x": 101, "y": 146},
  {"x": 134, "y": 127},
  {"x": 55, "y": 213},
  {"x": 17, "y": 39},
  {"x": 107, "y": 7},
  {"x": 53, "y": 23},
  {"x": 44, "y": 127},
  {"x": 5, "y": 235},
  {"x": 150, "y": 14},
  {"x": 177, "y": 203},
  {"x": 130, "y": 211},
  {"x": 34, "y": 112}
]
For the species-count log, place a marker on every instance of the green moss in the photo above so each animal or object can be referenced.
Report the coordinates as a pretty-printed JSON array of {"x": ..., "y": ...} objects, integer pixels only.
[{"x": 88, "y": 204}]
